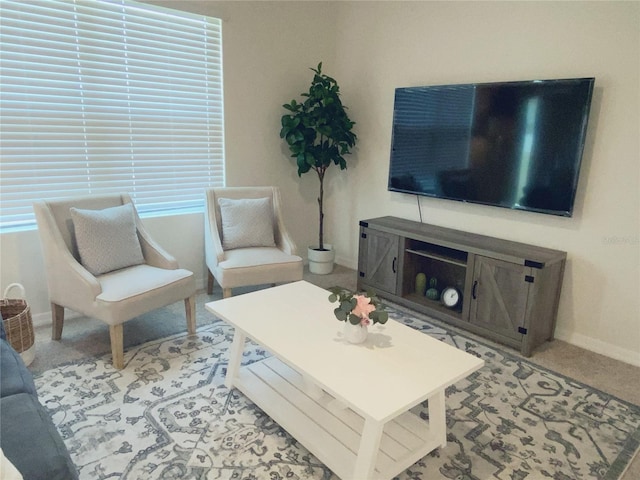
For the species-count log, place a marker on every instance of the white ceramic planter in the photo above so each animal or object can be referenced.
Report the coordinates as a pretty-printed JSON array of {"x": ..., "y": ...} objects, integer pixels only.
[
  {"x": 321, "y": 261},
  {"x": 355, "y": 333}
]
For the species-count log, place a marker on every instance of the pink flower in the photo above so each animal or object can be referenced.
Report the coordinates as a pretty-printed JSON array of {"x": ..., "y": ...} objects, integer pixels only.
[
  {"x": 365, "y": 322},
  {"x": 363, "y": 307}
]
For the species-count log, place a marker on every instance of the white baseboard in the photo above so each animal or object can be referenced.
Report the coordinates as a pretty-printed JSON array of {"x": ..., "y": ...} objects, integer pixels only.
[{"x": 631, "y": 357}]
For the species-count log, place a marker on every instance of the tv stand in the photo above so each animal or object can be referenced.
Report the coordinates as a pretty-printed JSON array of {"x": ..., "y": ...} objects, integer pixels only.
[{"x": 510, "y": 291}]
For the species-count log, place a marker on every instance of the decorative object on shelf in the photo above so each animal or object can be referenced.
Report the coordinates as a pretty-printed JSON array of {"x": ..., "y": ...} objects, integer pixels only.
[
  {"x": 432, "y": 292},
  {"x": 358, "y": 311},
  {"x": 451, "y": 297},
  {"x": 18, "y": 325},
  {"x": 318, "y": 133},
  {"x": 421, "y": 283}
]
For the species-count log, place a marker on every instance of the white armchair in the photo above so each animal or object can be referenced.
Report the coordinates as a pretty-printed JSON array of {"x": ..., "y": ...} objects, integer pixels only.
[
  {"x": 90, "y": 272},
  {"x": 246, "y": 242}
]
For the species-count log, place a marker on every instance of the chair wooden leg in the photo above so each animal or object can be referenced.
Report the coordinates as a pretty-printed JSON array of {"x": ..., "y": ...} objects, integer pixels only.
[
  {"x": 117, "y": 346},
  {"x": 190, "y": 309},
  {"x": 57, "y": 321},
  {"x": 226, "y": 292},
  {"x": 209, "y": 282}
]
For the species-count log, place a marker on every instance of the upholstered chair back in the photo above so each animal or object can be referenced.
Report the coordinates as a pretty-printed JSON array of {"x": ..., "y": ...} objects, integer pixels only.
[
  {"x": 237, "y": 193},
  {"x": 61, "y": 215}
]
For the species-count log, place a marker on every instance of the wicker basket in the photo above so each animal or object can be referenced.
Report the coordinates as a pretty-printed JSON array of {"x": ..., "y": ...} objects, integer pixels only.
[{"x": 16, "y": 316}]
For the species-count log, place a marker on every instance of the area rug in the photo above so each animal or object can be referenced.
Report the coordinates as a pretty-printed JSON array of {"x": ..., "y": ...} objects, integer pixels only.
[{"x": 168, "y": 415}]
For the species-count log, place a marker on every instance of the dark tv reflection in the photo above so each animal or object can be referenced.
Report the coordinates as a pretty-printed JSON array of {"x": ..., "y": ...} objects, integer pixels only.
[{"x": 515, "y": 145}]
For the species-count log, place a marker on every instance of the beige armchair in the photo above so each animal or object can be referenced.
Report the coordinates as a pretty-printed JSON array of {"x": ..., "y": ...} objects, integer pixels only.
[
  {"x": 246, "y": 242},
  {"x": 101, "y": 262}
]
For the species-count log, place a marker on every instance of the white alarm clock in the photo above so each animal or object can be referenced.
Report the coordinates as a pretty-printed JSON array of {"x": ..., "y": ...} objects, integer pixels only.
[{"x": 451, "y": 297}]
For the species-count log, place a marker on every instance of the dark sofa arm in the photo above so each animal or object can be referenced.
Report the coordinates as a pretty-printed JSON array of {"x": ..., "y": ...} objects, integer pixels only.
[
  {"x": 28, "y": 437},
  {"x": 14, "y": 375},
  {"x": 31, "y": 441}
]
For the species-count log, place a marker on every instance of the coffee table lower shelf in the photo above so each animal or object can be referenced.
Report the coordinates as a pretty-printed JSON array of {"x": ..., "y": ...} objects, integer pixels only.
[{"x": 331, "y": 431}]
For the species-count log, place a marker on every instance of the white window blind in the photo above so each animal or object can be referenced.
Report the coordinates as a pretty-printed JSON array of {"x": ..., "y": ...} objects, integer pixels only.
[{"x": 108, "y": 97}]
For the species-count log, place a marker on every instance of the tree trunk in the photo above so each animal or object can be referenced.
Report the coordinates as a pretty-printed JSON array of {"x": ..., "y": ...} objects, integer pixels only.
[{"x": 321, "y": 213}]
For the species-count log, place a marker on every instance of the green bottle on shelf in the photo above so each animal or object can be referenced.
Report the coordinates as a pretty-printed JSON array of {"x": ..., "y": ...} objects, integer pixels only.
[
  {"x": 421, "y": 283},
  {"x": 432, "y": 292}
]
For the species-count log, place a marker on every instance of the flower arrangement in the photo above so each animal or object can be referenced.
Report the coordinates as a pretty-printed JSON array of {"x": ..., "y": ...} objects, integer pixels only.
[{"x": 358, "y": 309}]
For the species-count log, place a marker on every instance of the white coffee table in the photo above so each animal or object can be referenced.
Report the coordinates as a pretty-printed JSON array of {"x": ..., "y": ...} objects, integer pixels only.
[{"x": 348, "y": 404}]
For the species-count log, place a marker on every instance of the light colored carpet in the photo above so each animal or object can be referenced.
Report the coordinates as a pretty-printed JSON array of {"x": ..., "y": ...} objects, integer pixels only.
[
  {"x": 168, "y": 415},
  {"x": 84, "y": 338}
]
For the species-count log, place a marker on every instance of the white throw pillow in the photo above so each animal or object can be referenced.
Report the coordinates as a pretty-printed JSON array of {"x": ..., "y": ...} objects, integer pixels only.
[
  {"x": 7, "y": 470},
  {"x": 246, "y": 222},
  {"x": 107, "y": 239}
]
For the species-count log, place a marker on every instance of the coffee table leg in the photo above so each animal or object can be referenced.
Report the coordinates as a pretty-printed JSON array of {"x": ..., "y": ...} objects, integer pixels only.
[
  {"x": 438, "y": 417},
  {"x": 368, "y": 451},
  {"x": 235, "y": 357}
]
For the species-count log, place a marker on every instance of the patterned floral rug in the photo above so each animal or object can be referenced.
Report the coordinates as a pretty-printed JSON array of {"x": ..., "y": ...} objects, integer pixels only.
[{"x": 167, "y": 415}]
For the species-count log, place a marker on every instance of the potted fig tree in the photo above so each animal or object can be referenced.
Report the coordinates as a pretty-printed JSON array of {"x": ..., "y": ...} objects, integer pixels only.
[{"x": 319, "y": 133}]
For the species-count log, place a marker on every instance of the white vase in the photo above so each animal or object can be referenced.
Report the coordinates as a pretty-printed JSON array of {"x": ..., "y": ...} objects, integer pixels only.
[
  {"x": 355, "y": 333},
  {"x": 321, "y": 261}
]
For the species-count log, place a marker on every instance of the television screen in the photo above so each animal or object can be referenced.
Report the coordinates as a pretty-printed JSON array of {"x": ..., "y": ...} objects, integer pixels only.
[{"x": 514, "y": 144}]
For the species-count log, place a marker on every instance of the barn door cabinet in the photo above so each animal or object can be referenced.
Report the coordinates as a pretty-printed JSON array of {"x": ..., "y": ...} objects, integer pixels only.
[{"x": 509, "y": 290}]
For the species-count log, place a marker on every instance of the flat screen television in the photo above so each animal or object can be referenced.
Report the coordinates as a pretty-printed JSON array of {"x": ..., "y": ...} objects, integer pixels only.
[{"x": 516, "y": 145}]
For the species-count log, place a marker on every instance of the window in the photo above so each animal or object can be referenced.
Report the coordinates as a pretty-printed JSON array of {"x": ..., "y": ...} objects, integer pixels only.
[{"x": 108, "y": 97}]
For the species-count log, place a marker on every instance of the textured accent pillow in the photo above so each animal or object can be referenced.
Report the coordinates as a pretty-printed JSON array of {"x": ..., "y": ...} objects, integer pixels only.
[
  {"x": 246, "y": 222},
  {"x": 107, "y": 239}
]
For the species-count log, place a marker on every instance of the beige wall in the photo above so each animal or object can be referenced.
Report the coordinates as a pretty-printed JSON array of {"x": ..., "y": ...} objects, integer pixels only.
[
  {"x": 384, "y": 45},
  {"x": 371, "y": 48}
]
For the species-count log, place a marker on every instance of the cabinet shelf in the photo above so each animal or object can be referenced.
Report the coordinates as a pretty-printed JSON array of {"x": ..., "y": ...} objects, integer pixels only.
[
  {"x": 510, "y": 290},
  {"x": 433, "y": 304},
  {"x": 435, "y": 256}
]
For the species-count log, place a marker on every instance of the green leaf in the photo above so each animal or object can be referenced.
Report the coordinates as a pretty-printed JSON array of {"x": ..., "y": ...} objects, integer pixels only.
[
  {"x": 293, "y": 106},
  {"x": 325, "y": 130},
  {"x": 340, "y": 314},
  {"x": 345, "y": 306},
  {"x": 303, "y": 167},
  {"x": 311, "y": 161},
  {"x": 291, "y": 138},
  {"x": 379, "y": 316},
  {"x": 354, "y": 319}
]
